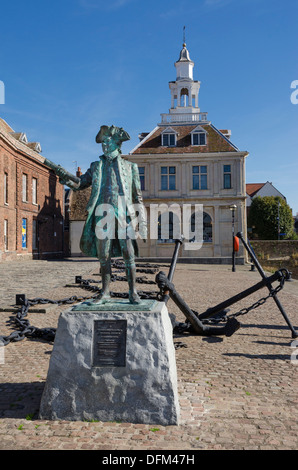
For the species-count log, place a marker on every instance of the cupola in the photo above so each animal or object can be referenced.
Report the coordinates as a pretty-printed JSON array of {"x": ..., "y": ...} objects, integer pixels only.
[{"x": 184, "y": 66}]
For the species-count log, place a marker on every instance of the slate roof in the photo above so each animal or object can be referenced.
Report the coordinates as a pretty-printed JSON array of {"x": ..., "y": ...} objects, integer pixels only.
[
  {"x": 31, "y": 149},
  {"x": 216, "y": 141},
  {"x": 5, "y": 126}
]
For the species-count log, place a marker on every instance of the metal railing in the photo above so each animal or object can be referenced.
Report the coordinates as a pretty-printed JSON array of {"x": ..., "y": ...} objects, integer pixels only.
[{"x": 183, "y": 117}]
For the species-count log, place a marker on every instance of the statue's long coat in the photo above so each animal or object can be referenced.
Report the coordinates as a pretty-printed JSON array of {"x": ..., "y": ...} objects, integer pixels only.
[{"x": 131, "y": 185}]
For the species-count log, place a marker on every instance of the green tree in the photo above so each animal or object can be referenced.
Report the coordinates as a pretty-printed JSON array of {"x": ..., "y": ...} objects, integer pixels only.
[{"x": 263, "y": 218}]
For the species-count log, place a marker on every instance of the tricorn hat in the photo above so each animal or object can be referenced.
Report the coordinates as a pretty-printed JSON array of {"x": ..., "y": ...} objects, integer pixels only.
[{"x": 117, "y": 133}]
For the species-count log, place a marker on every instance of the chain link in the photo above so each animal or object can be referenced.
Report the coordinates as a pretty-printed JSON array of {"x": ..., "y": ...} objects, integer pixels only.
[
  {"x": 48, "y": 334},
  {"x": 246, "y": 310},
  {"x": 260, "y": 302},
  {"x": 25, "y": 329}
]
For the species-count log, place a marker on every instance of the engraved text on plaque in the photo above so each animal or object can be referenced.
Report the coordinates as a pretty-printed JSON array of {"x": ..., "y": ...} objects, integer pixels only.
[{"x": 109, "y": 343}]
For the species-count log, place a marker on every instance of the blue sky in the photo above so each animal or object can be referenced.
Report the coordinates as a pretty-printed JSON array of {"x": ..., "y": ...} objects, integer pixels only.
[{"x": 70, "y": 66}]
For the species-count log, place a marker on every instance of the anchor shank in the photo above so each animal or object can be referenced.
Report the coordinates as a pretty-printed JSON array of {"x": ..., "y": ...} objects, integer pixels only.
[{"x": 178, "y": 243}]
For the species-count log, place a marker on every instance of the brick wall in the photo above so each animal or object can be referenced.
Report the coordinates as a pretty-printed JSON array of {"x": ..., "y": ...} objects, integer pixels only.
[
  {"x": 47, "y": 212},
  {"x": 274, "y": 254},
  {"x": 274, "y": 249},
  {"x": 7, "y": 207}
]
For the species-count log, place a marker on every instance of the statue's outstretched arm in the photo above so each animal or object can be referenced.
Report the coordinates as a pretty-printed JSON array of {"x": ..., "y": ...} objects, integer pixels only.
[{"x": 67, "y": 178}]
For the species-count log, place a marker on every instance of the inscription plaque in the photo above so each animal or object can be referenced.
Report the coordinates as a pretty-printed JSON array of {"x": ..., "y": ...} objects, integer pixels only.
[{"x": 109, "y": 343}]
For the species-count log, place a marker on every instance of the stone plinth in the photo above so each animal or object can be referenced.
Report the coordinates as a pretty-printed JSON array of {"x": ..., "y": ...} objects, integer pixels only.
[{"x": 113, "y": 362}]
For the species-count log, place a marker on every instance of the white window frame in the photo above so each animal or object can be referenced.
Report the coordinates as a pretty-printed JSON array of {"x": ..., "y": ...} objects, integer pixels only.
[
  {"x": 34, "y": 191},
  {"x": 227, "y": 173},
  {"x": 25, "y": 187},
  {"x": 200, "y": 174},
  {"x": 198, "y": 130},
  {"x": 142, "y": 177},
  {"x": 167, "y": 176},
  {"x": 6, "y": 188},
  {"x": 169, "y": 138},
  {"x": 199, "y": 144},
  {"x": 169, "y": 132},
  {"x": 23, "y": 138}
]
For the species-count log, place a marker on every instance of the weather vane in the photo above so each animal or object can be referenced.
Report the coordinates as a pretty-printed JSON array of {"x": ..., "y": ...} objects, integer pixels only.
[{"x": 183, "y": 34}]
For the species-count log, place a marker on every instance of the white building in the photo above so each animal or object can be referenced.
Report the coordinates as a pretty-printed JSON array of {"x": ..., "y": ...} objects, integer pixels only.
[
  {"x": 261, "y": 190},
  {"x": 185, "y": 159}
]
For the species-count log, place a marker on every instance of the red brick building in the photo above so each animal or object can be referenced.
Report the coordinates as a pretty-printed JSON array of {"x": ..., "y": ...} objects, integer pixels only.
[{"x": 31, "y": 200}]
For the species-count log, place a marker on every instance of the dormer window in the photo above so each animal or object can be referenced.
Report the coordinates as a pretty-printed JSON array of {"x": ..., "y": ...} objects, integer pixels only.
[
  {"x": 169, "y": 138},
  {"x": 20, "y": 136},
  {"x": 35, "y": 146},
  {"x": 199, "y": 136},
  {"x": 24, "y": 139}
]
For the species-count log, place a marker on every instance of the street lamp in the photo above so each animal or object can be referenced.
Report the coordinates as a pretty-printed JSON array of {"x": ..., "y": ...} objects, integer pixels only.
[{"x": 233, "y": 207}]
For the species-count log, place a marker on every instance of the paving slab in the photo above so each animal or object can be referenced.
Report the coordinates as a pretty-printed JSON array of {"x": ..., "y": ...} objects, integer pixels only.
[{"x": 235, "y": 393}]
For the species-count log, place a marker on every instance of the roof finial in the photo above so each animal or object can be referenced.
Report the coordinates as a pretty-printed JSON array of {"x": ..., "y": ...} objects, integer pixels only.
[{"x": 184, "y": 45}]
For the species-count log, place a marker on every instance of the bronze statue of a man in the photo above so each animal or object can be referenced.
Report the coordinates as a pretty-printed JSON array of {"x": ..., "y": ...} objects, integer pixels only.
[{"x": 115, "y": 199}]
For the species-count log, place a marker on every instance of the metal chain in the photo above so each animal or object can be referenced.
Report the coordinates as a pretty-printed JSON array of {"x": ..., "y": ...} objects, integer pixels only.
[
  {"x": 48, "y": 334},
  {"x": 246, "y": 310},
  {"x": 26, "y": 330},
  {"x": 257, "y": 304}
]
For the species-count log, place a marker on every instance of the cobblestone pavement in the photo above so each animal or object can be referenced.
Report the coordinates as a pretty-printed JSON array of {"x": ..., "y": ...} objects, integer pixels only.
[{"x": 235, "y": 393}]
